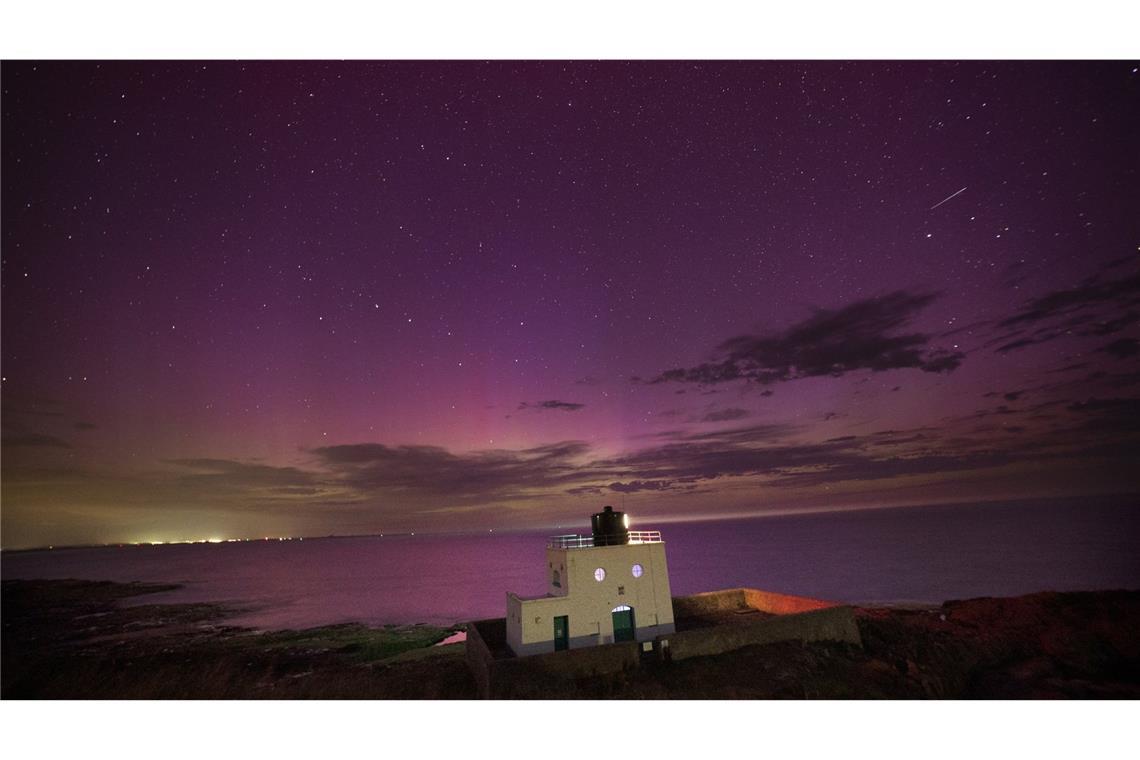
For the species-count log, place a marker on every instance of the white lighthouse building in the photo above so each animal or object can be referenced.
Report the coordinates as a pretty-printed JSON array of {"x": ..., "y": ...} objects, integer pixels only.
[{"x": 607, "y": 587}]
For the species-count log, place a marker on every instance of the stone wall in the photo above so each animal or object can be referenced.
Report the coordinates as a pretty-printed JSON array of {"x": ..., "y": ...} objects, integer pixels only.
[
  {"x": 696, "y": 605},
  {"x": 783, "y": 604},
  {"x": 734, "y": 599},
  {"x": 499, "y": 675},
  {"x": 479, "y": 658},
  {"x": 826, "y": 624},
  {"x": 547, "y": 676}
]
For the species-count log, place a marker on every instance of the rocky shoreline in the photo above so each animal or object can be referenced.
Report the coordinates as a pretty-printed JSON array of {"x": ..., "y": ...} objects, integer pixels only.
[{"x": 73, "y": 640}]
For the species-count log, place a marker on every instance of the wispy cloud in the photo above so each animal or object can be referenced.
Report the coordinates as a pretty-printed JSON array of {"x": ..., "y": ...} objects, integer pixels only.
[
  {"x": 1122, "y": 348},
  {"x": 1097, "y": 307},
  {"x": 229, "y": 472},
  {"x": 33, "y": 439},
  {"x": 865, "y": 335},
  {"x": 373, "y": 481},
  {"x": 1092, "y": 292},
  {"x": 561, "y": 406},
  {"x": 435, "y": 470},
  {"x": 723, "y": 415}
]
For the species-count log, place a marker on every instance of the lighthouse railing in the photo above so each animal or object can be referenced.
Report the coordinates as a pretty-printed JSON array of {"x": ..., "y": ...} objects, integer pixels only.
[{"x": 575, "y": 541}]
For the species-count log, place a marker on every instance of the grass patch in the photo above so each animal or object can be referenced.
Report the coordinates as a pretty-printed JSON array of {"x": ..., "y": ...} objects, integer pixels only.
[{"x": 358, "y": 642}]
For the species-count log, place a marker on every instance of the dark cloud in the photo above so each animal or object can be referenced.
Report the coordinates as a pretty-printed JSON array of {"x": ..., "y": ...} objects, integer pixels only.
[
  {"x": 1007, "y": 395},
  {"x": 1003, "y": 410},
  {"x": 723, "y": 415},
  {"x": 1065, "y": 329},
  {"x": 894, "y": 438},
  {"x": 585, "y": 491},
  {"x": 1097, "y": 307},
  {"x": 1070, "y": 430},
  {"x": 682, "y": 461},
  {"x": 567, "y": 467},
  {"x": 865, "y": 335},
  {"x": 237, "y": 474},
  {"x": 1119, "y": 262},
  {"x": 1109, "y": 415},
  {"x": 1122, "y": 380},
  {"x": 33, "y": 439},
  {"x": 562, "y": 406},
  {"x": 432, "y": 469},
  {"x": 1109, "y": 326},
  {"x": 661, "y": 434},
  {"x": 1092, "y": 292},
  {"x": 753, "y": 434},
  {"x": 1113, "y": 405},
  {"x": 1122, "y": 348},
  {"x": 374, "y": 477},
  {"x": 641, "y": 485},
  {"x": 1020, "y": 343},
  {"x": 85, "y": 425},
  {"x": 717, "y": 458},
  {"x": 296, "y": 490},
  {"x": 846, "y": 458}
]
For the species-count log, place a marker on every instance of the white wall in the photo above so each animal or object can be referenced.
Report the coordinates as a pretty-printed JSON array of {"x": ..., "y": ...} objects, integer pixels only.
[
  {"x": 514, "y": 618},
  {"x": 556, "y": 561},
  {"x": 589, "y": 603}
]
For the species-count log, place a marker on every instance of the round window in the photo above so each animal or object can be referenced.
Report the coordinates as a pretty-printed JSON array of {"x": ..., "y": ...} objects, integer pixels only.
[
  {"x": 599, "y": 575},
  {"x": 637, "y": 571}
]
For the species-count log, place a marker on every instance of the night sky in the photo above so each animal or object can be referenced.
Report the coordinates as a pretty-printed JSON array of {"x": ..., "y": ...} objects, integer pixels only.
[{"x": 308, "y": 298}]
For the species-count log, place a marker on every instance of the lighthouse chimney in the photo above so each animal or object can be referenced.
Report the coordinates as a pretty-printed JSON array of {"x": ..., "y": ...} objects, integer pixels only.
[{"x": 610, "y": 528}]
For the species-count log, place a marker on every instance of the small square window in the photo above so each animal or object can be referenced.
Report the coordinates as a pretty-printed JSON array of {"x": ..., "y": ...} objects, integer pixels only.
[{"x": 621, "y": 590}]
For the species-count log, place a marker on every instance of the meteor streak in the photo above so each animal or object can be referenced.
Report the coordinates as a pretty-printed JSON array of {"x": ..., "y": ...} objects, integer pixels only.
[{"x": 936, "y": 205}]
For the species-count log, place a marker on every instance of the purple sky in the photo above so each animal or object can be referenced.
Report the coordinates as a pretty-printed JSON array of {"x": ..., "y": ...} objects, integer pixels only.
[{"x": 308, "y": 298}]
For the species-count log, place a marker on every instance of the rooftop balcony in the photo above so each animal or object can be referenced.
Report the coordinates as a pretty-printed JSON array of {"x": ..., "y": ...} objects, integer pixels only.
[{"x": 587, "y": 542}]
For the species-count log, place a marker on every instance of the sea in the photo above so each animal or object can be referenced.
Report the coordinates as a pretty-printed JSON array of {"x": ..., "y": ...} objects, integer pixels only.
[{"x": 896, "y": 556}]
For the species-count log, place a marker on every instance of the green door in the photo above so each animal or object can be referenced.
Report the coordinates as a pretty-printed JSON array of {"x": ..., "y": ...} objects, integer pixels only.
[
  {"x": 623, "y": 623},
  {"x": 561, "y": 632}
]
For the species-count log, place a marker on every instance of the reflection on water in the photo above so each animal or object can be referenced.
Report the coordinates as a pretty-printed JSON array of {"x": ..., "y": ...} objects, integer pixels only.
[{"x": 921, "y": 554}]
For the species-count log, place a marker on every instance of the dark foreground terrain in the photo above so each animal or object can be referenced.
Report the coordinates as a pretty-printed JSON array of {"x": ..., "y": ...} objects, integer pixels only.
[{"x": 71, "y": 639}]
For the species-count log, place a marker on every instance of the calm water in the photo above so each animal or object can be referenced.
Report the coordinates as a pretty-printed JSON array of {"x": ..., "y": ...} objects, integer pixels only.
[{"x": 919, "y": 554}]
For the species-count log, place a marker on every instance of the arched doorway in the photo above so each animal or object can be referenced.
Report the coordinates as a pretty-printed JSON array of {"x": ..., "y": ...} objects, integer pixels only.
[{"x": 623, "y": 623}]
